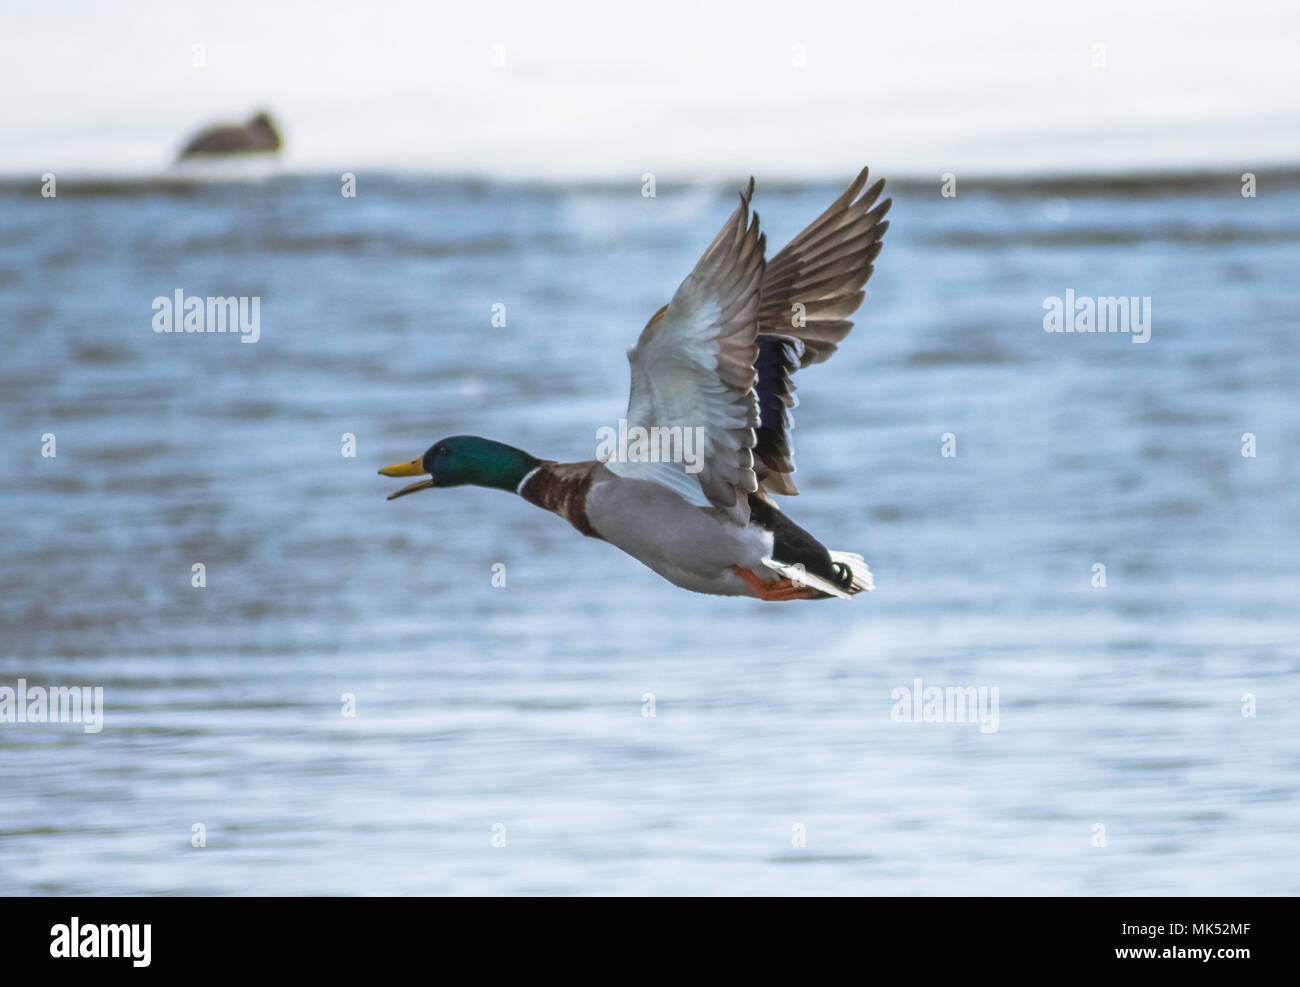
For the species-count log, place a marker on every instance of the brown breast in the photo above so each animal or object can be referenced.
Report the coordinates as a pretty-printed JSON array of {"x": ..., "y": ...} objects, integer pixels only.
[{"x": 562, "y": 488}]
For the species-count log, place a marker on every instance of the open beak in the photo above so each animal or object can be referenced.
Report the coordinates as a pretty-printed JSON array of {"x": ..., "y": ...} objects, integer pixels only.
[{"x": 414, "y": 468}]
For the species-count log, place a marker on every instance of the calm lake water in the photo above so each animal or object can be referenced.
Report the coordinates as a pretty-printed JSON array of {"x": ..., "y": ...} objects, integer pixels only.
[{"x": 772, "y": 763}]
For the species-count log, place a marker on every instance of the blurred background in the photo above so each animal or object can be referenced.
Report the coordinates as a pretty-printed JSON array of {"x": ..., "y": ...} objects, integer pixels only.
[{"x": 499, "y": 154}]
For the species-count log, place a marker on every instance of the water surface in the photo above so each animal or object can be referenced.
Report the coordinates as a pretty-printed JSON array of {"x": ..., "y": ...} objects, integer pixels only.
[{"x": 524, "y": 706}]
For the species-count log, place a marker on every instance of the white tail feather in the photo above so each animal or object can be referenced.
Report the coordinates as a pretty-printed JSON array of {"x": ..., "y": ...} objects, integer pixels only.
[{"x": 862, "y": 581}]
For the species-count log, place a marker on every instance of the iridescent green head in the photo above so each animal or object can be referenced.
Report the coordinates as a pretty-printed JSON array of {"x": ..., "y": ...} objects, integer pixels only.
[{"x": 466, "y": 459}]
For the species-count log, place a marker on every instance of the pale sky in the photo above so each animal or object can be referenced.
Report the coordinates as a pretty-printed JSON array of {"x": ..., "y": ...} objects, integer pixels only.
[{"x": 604, "y": 91}]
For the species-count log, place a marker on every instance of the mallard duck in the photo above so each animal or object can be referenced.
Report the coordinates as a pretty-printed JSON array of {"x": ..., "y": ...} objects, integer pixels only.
[
  {"x": 711, "y": 371},
  {"x": 259, "y": 136}
]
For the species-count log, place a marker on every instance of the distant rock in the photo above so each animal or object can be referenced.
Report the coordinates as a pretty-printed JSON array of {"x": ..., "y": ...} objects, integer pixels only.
[{"x": 259, "y": 136}]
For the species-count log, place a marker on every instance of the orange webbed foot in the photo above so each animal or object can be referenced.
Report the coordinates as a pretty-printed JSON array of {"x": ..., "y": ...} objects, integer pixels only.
[{"x": 774, "y": 591}]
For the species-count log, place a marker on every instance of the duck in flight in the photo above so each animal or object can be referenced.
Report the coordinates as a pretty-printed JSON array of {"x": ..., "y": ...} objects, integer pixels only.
[{"x": 717, "y": 362}]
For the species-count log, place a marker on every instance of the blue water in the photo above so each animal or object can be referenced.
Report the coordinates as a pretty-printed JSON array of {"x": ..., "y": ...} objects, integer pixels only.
[{"x": 519, "y": 710}]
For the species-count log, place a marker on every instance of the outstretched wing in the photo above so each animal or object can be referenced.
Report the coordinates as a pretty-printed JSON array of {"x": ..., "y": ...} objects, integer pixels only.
[
  {"x": 809, "y": 290},
  {"x": 693, "y": 371}
]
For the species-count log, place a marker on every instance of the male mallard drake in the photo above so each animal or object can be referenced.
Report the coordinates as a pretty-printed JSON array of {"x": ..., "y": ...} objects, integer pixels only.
[{"x": 714, "y": 364}]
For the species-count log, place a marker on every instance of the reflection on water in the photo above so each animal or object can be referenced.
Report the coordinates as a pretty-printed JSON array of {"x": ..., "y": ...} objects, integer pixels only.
[{"x": 526, "y": 705}]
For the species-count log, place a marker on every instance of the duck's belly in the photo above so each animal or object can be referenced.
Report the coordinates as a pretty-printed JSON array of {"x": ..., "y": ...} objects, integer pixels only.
[{"x": 689, "y": 546}]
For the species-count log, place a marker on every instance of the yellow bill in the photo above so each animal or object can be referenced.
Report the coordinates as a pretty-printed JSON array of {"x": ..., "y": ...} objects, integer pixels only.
[{"x": 414, "y": 468}]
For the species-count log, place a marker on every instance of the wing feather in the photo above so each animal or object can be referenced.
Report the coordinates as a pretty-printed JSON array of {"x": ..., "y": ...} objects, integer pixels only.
[
  {"x": 693, "y": 369},
  {"x": 809, "y": 291},
  {"x": 718, "y": 359}
]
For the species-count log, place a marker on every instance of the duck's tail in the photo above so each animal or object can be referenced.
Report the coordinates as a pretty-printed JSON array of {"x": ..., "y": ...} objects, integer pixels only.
[
  {"x": 851, "y": 575},
  {"x": 853, "y": 568}
]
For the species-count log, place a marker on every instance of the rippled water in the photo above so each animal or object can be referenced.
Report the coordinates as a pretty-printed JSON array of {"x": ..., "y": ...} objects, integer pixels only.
[{"x": 522, "y": 708}]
